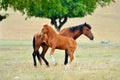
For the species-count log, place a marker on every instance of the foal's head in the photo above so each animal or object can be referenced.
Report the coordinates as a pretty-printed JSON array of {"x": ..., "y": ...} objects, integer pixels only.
[
  {"x": 47, "y": 29},
  {"x": 44, "y": 29},
  {"x": 86, "y": 30}
]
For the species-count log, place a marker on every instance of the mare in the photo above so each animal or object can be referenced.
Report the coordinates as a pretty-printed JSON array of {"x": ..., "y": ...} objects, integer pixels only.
[
  {"x": 57, "y": 41},
  {"x": 73, "y": 32}
]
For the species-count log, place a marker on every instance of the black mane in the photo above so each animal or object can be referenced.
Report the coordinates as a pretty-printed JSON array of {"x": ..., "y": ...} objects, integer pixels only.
[
  {"x": 79, "y": 27},
  {"x": 74, "y": 28}
]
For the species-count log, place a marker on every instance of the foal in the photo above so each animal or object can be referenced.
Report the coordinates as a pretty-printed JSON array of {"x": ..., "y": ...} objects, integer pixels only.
[{"x": 56, "y": 41}]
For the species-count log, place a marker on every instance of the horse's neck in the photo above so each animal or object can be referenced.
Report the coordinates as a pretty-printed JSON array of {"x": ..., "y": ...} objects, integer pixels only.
[
  {"x": 77, "y": 34},
  {"x": 51, "y": 34}
]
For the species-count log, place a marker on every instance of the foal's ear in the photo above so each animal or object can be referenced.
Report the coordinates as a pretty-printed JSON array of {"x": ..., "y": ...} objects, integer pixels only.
[
  {"x": 85, "y": 23},
  {"x": 44, "y": 25}
]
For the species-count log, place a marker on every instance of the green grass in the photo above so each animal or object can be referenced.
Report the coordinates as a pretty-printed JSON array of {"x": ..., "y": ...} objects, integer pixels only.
[{"x": 94, "y": 61}]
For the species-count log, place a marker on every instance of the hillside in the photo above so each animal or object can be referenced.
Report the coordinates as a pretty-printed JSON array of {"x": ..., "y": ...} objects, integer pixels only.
[{"x": 104, "y": 21}]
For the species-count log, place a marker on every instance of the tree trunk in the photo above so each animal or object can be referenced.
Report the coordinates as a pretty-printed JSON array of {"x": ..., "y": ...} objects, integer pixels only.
[
  {"x": 61, "y": 22},
  {"x": 3, "y": 17}
]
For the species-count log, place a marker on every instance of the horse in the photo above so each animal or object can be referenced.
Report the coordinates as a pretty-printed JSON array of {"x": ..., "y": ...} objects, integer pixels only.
[
  {"x": 57, "y": 41},
  {"x": 73, "y": 32}
]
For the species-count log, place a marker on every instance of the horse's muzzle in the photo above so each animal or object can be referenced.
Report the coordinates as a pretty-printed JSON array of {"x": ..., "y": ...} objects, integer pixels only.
[
  {"x": 92, "y": 38},
  {"x": 40, "y": 35}
]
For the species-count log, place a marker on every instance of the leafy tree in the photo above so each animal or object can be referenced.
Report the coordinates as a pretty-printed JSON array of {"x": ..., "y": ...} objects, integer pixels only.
[{"x": 56, "y": 10}]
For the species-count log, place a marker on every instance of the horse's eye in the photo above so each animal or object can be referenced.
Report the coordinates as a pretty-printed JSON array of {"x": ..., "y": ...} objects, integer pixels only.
[
  {"x": 42, "y": 29},
  {"x": 87, "y": 29}
]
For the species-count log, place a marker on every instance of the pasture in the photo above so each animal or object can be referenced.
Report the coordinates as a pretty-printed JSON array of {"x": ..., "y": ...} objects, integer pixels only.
[{"x": 94, "y": 60}]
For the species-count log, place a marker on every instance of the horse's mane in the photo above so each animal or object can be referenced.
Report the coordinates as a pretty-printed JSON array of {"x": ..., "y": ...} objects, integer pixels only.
[
  {"x": 79, "y": 27},
  {"x": 50, "y": 28}
]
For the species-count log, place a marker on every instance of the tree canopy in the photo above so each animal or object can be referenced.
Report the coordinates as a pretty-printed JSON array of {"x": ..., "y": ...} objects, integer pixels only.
[{"x": 56, "y": 10}]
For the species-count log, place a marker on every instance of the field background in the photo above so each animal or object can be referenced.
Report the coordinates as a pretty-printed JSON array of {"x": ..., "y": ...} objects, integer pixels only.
[{"x": 95, "y": 60}]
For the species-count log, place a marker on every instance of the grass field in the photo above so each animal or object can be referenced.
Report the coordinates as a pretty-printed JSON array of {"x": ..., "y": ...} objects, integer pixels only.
[{"x": 95, "y": 60}]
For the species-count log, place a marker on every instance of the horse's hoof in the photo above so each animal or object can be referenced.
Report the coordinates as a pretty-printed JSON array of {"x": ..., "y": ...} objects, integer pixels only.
[
  {"x": 41, "y": 64},
  {"x": 48, "y": 66},
  {"x": 67, "y": 65},
  {"x": 35, "y": 66},
  {"x": 55, "y": 64}
]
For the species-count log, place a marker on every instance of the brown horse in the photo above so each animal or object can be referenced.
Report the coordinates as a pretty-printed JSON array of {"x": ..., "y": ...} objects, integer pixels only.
[
  {"x": 57, "y": 41},
  {"x": 73, "y": 32}
]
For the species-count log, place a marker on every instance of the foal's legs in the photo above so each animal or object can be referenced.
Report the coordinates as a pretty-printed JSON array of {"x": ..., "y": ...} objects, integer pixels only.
[
  {"x": 51, "y": 54},
  {"x": 45, "y": 48}
]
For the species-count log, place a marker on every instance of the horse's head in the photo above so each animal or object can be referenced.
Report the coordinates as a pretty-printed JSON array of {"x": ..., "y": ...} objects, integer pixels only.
[
  {"x": 86, "y": 30},
  {"x": 44, "y": 30}
]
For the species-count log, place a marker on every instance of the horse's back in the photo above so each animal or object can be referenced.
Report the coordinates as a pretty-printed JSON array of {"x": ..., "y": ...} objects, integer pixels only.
[
  {"x": 66, "y": 32},
  {"x": 68, "y": 41}
]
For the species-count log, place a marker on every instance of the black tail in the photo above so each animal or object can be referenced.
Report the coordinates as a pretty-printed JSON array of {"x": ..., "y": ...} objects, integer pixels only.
[
  {"x": 34, "y": 53},
  {"x": 34, "y": 42}
]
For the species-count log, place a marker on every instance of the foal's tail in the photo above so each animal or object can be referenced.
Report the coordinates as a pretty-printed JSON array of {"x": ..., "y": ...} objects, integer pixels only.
[{"x": 34, "y": 42}]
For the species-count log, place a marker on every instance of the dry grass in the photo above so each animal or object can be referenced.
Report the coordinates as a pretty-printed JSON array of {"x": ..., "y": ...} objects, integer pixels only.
[{"x": 93, "y": 61}]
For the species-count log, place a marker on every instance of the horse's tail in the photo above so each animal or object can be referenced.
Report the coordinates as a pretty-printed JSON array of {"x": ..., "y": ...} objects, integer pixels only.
[{"x": 34, "y": 42}]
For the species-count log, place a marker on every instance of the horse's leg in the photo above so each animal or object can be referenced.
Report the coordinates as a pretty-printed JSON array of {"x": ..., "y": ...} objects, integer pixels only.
[
  {"x": 38, "y": 56},
  {"x": 66, "y": 58},
  {"x": 36, "y": 49},
  {"x": 70, "y": 53},
  {"x": 34, "y": 60},
  {"x": 51, "y": 54},
  {"x": 45, "y": 48},
  {"x": 71, "y": 58}
]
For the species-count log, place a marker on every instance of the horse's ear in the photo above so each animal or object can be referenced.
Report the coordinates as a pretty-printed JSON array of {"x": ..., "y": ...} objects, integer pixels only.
[
  {"x": 85, "y": 23},
  {"x": 44, "y": 25}
]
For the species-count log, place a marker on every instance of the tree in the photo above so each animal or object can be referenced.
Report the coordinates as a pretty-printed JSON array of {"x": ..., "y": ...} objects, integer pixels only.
[{"x": 56, "y": 10}]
